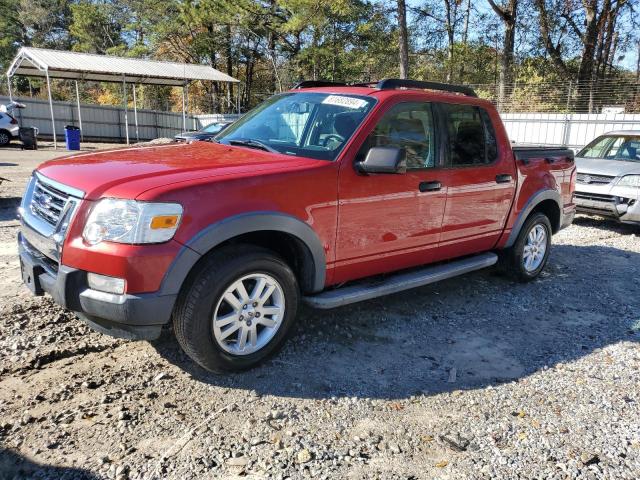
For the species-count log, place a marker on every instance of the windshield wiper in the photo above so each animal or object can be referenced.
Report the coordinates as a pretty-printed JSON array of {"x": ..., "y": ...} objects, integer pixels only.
[{"x": 253, "y": 144}]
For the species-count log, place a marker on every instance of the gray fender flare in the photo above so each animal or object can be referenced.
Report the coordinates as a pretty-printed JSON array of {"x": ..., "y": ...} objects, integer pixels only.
[
  {"x": 231, "y": 227},
  {"x": 537, "y": 198}
]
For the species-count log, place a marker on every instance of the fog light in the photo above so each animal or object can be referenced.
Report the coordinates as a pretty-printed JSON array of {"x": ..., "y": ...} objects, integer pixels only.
[{"x": 104, "y": 283}]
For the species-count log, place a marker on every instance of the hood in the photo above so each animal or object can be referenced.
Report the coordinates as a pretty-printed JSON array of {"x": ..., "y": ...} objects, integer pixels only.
[
  {"x": 191, "y": 134},
  {"x": 612, "y": 168},
  {"x": 107, "y": 172}
]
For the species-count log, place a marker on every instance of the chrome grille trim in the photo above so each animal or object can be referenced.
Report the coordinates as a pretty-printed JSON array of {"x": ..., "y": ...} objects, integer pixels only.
[
  {"x": 46, "y": 212},
  {"x": 47, "y": 202},
  {"x": 589, "y": 179}
]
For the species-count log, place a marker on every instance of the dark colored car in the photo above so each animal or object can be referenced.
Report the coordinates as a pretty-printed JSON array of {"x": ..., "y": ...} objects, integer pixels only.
[
  {"x": 301, "y": 200},
  {"x": 205, "y": 133}
]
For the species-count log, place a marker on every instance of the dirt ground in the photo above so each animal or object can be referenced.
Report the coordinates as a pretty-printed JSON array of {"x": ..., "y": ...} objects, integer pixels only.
[{"x": 475, "y": 377}]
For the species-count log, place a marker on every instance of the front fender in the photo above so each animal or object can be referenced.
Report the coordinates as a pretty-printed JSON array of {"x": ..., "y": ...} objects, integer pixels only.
[{"x": 219, "y": 232}]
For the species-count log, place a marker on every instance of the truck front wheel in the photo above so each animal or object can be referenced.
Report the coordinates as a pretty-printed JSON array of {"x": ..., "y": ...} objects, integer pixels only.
[
  {"x": 237, "y": 308},
  {"x": 529, "y": 255}
]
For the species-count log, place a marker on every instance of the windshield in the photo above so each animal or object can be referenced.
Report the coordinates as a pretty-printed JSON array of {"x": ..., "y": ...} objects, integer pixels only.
[
  {"x": 307, "y": 124},
  {"x": 213, "y": 127},
  {"x": 614, "y": 147}
]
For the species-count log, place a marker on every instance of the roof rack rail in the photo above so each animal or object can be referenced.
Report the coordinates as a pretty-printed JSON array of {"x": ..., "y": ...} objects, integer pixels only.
[
  {"x": 317, "y": 83},
  {"x": 391, "y": 83}
]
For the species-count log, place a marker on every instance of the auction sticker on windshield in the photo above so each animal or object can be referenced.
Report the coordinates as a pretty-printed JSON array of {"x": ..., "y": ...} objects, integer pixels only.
[{"x": 342, "y": 101}]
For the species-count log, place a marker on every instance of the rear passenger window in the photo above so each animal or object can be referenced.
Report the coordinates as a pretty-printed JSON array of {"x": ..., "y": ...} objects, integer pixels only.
[{"x": 472, "y": 139}]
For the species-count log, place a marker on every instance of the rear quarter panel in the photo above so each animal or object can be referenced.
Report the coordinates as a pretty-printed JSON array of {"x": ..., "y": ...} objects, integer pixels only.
[{"x": 537, "y": 174}]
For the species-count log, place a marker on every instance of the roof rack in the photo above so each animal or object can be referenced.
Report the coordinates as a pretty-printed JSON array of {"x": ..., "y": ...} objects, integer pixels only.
[
  {"x": 317, "y": 83},
  {"x": 392, "y": 83}
]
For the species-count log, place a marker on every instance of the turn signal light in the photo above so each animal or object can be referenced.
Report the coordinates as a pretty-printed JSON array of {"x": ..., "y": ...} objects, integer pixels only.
[{"x": 164, "y": 221}]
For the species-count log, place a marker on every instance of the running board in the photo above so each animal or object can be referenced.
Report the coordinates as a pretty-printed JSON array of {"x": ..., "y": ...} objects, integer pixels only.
[{"x": 399, "y": 282}]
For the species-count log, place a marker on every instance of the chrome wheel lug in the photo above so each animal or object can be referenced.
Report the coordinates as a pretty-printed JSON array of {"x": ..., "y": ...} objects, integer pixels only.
[
  {"x": 255, "y": 304},
  {"x": 257, "y": 314}
]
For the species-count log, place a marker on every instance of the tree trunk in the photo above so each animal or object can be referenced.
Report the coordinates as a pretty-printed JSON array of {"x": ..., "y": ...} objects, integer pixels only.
[
  {"x": 465, "y": 37},
  {"x": 588, "y": 52},
  {"x": 545, "y": 33},
  {"x": 215, "y": 106},
  {"x": 638, "y": 65},
  {"x": 450, "y": 28},
  {"x": 271, "y": 45},
  {"x": 229, "y": 55},
  {"x": 508, "y": 14},
  {"x": 403, "y": 39}
]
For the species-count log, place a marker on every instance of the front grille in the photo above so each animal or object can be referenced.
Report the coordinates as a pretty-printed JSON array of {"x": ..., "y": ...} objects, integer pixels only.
[
  {"x": 595, "y": 197},
  {"x": 47, "y": 202},
  {"x": 588, "y": 179}
]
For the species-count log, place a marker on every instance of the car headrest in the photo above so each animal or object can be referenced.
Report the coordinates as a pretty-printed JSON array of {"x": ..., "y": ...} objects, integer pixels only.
[
  {"x": 344, "y": 123},
  {"x": 411, "y": 129},
  {"x": 470, "y": 132}
]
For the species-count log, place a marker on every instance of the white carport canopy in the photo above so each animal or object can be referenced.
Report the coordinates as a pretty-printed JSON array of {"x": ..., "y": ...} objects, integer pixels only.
[{"x": 40, "y": 62}]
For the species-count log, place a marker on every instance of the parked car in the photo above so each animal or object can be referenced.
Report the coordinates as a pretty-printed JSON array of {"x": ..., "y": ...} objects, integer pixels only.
[
  {"x": 608, "y": 180},
  {"x": 305, "y": 198},
  {"x": 9, "y": 128},
  {"x": 205, "y": 133}
]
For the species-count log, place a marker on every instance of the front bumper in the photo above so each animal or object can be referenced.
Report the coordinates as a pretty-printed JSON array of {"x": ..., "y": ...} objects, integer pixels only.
[
  {"x": 140, "y": 316},
  {"x": 623, "y": 206}
]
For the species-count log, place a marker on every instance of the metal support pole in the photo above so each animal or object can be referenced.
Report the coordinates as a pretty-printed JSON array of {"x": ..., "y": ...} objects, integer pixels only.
[
  {"x": 10, "y": 91},
  {"x": 79, "y": 114},
  {"x": 238, "y": 99},
  {"x": 126, "y": 117},
  {"x": 184, "y": 114},
  {"x": 53, "y": 121},
  {"x": 135, "y": 112},
  {"x": 567, "y": 123}
]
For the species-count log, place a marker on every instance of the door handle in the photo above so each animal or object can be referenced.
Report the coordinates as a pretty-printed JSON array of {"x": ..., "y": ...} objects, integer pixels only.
[
  {"x": 430, "y": 186},
  {"x": 503, "y": 178}
]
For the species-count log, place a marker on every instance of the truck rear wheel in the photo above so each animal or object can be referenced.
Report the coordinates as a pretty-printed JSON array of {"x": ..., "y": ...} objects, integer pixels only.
[
  {"x": 529, "y": 254},
  {"x": 237, "y": 309}
]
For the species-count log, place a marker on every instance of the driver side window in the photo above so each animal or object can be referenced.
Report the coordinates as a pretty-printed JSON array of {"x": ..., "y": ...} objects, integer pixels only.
[{"x": 409, "y": 126}]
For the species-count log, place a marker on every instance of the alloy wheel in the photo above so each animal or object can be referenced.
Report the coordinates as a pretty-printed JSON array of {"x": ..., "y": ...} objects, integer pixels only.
[
  {"x": 249, "y": 314},
  {"x": 535, "y": 248}
]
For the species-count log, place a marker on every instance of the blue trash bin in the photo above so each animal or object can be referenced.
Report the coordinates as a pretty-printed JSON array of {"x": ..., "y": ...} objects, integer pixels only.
[{"x": 72, "y": 137}]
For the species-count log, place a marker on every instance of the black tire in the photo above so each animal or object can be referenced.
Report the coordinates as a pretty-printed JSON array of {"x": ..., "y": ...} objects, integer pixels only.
[
  {"x": 512, "y": 259},
  {"x": 193, "y": 315},
  {"x": 5, "y": 138}
]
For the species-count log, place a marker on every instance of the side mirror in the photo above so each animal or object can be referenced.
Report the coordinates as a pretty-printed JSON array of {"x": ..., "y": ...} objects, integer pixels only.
[{"x": 384, "y": 160}]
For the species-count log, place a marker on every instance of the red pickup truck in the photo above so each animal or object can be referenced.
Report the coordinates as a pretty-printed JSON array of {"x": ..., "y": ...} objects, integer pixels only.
[{"x": 328, "y": 194}]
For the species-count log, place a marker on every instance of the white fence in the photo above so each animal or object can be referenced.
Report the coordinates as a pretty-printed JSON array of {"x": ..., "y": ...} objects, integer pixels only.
[
  {"x": 106, "y": 123},
  {"x": 574, "y": 130}
]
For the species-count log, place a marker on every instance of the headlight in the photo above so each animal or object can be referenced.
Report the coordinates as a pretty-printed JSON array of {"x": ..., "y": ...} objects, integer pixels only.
[
  {"x": 629, "y": 181},
  {"x": 128, "y": 221}
]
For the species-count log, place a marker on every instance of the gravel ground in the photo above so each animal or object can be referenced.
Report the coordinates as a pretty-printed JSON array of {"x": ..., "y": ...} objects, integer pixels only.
[{"x": 475, "y": 377}]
